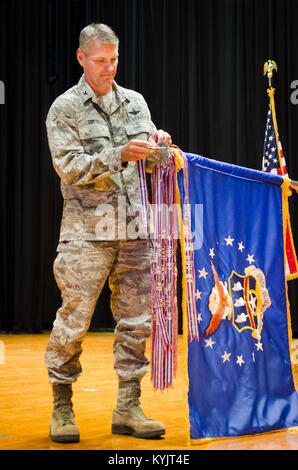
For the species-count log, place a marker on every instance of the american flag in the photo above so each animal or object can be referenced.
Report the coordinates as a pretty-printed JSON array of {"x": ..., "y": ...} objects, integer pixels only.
[{"x": 274, "y": 162}]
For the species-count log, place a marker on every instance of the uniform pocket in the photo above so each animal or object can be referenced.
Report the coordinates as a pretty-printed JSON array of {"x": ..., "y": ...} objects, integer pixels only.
[
  {"x": 93, "y": 131},
  {"x": 138, "y": 130},
  {"x": 94, "y": 137}
]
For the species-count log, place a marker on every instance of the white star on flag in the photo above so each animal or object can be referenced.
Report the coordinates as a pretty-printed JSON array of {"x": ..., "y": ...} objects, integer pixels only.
[
  {"x": 209, "y": 343},
  {"x": 229, "y": 241},
  {"x": 198, "y": 294},
  {"x": 241, "y": 246},
  {"x": 202, "y": 273},
  {"x": 259, "y": 346},
  {"x": 211, "y": 253},
  {"x": 250, "y": 259},
  {"x": 226, "y": 357},
  {"x": 240, "y": 360},
  {"x": 252, "y": 302}
]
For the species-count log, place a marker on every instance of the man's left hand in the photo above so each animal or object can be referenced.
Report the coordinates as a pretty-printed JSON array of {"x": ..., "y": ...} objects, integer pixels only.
[{"x": 160, "y": 136}]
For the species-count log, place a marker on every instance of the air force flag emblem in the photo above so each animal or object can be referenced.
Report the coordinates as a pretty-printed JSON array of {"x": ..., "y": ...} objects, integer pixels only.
[{"x": 242, "y": 300}]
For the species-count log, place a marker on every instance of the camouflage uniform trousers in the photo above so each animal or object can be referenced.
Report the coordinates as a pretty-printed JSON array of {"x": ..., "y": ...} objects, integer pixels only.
[{"x": 81, "y": 269}]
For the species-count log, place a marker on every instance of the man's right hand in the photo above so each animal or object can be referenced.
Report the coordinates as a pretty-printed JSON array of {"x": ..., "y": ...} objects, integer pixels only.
[{"x": 136, "y": 150}]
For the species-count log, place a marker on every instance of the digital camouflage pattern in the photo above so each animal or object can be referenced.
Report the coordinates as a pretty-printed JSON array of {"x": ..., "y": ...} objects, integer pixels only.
[
  {"x": 85, "y": 140},
  {"x": 81, "y": 269}
]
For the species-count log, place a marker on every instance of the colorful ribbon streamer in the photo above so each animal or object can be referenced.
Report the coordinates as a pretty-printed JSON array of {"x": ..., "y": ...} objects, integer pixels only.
[{"x": 168, "y": 225}]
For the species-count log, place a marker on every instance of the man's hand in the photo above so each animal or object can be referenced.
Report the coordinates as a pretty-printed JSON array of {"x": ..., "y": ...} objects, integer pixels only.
[
  {"x": 137, "y": 150},
  {"x": 160, "y": 136}
]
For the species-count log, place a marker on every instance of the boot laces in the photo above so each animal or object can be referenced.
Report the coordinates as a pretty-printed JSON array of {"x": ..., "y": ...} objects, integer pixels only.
[
  {"x": 138, "y": 412},
  {"x": 65, "y": 414}
]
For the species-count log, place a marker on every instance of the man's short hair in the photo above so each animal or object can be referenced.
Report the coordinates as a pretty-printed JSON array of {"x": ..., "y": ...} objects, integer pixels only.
[{"x": 97, "y": 32}]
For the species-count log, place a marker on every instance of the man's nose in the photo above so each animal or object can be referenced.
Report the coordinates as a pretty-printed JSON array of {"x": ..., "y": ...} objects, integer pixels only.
[{"x": 109, "y": 66}]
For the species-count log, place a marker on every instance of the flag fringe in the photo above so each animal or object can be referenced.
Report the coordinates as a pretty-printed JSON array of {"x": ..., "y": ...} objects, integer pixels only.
[
  {"x": 205, "y": 441},
  {"x": 285, "y": 215},
  {"x": 184, "y": 313},
  {"x": 286, "y": 191}
]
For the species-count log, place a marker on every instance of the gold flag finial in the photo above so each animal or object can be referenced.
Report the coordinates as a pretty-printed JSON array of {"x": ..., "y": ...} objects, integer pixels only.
[{"x": 269, "y": 66}]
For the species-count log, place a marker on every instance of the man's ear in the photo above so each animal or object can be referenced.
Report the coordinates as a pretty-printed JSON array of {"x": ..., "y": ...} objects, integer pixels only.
[{"x": 80, "y": 57}]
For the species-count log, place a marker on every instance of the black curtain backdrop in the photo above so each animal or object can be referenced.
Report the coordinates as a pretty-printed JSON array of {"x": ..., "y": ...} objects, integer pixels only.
[{"x": 199, "y": 64}]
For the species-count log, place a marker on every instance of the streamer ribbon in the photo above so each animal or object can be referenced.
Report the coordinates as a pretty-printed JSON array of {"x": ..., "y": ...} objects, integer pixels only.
[{"x": 168, "y": 226}]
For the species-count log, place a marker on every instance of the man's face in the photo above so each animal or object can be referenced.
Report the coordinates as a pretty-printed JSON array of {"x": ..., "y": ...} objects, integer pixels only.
[{"x": 99, "y": 61}]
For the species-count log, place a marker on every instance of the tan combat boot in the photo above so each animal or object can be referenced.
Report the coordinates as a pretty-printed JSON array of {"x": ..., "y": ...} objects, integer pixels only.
[
  {"x": 62, "y": 425},
  {"x": 129, "y": 418}
]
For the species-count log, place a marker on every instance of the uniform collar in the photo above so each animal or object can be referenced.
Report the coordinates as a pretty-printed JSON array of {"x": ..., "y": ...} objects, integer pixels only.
[{"x": 87, "y": 93}]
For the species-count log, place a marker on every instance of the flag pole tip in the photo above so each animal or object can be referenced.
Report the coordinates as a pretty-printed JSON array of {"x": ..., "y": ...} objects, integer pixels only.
[{"x": 269, "y": 66}]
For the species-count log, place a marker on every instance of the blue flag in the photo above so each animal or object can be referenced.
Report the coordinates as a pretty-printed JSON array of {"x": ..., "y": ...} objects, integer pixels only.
[{"x": 239, "y": 371}]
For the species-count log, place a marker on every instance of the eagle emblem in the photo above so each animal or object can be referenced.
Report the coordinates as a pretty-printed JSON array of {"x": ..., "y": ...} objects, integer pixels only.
[{"x": 242, "y": 300}]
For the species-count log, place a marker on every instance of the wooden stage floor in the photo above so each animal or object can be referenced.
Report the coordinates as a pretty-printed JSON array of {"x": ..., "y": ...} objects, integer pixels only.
[{"x": 26, "y": 403}]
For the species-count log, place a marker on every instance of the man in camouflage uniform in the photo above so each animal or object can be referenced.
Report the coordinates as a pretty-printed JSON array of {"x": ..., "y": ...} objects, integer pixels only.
[{"x": 96, "y": 131}]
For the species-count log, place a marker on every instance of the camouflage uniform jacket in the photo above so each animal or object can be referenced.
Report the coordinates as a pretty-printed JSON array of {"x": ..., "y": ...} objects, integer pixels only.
[{"x": 85, "y": 141}]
